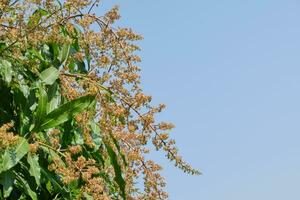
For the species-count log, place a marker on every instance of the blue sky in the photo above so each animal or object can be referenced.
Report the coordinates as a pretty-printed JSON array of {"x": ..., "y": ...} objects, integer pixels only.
[{"x": 229, "y": 73}]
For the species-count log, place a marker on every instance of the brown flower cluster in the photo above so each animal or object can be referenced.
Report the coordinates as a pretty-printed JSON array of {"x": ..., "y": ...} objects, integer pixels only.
[{"x": 7, "y": 138}]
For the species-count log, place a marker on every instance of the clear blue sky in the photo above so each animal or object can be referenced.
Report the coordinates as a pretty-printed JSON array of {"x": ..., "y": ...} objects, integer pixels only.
[{"x": 229, "y": 72}]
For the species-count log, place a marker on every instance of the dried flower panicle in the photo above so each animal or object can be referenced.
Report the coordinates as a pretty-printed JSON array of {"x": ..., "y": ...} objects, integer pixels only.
[
  {"x": 7, "y": 138},
  {"x": 75, "y": 149},
  {"x": 33, "y": 148}
]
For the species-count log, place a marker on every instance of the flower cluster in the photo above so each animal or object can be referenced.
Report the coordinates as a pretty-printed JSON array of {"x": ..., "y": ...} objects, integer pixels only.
[{"x": 7, "y": 138}]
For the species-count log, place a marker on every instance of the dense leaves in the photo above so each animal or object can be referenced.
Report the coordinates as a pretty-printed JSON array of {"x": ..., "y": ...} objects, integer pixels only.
[{"x": 63, "y": 113}]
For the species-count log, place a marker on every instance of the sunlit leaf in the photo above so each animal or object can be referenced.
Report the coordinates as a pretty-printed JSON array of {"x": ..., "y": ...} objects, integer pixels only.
[
  {"x": 66, "y": 112},
  {"x": 95, "y": 134},
  {"x": 54, "y": 97},
  {"x": 87, "y": 196},
  {"x": 13, "y": 155},
  {"x": 64, "y": 53},
  {"x": 37, "y": 54},
  {"x": 6, "y": 71},
  {"x": 49, "y": 75},
  {"x": 35, "y": 169}
]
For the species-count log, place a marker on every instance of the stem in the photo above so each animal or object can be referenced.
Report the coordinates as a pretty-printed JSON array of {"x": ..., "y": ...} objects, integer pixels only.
[{"x": 49, "y": 147}]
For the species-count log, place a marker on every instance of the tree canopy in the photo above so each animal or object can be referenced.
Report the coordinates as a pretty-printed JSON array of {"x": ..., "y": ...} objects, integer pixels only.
[{"x": 74, "y": 121}]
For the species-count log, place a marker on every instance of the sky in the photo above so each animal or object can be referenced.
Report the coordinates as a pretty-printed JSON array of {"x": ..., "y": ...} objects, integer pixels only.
[{"x": 229, "y": 74}]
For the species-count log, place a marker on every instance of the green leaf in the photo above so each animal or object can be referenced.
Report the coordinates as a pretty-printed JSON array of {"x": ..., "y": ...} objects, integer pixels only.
[
  {"x": 118, "y": 173},
  {"x": 42, "y": 106},
  {"x": 52, "y": 154},
  {"x": 87, "y": 196},
  {"x": 6, "y": 71},
  {"x": 64, "y": 53},
  {"x": 96, "y": 135},
  {"x": 95, "y": 155},
  {"x": 26, "y": 187},
  {"x": 6, "y": 110},
  {"x": 88, "y": 58},
  {"x": 2, "y": 45},
  {"x": 54, "y": 54},
  {"x": 7, "y": 180},
  {"x": 24, "y": 113},
  {"x": 66, "y": 112},
  {"x": 36, "y": 17},
  {"x": 36, "y": 54},
  {"x": 56, "y": 183},
  {"x": 81, "y": 66},
  {"x": 22, "y": 197},
  {"x": 13, "y": 155},
  {"x": 77, "y": 137},
  {"x": 49, "y": 186},
  {"x": 54, "y": 97},
  {"x": 35, "y": 169},
  {"x": 118, "y": 148},
  {"x": 23, "y": 87},
  {"x": 49, "y": 75}
]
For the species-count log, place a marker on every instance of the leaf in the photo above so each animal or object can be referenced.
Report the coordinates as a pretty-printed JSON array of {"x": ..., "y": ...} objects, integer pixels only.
[
  {"x": 7, "y": 180},
  {"x": 49, "y": 75},
  {"x": 81, "y": 66},
  {"x": 49, "y": 186},
  {"x": 118, "y": 148},
  {"x": 2, "y": 45},
  {"x": 54, "y": 97},
  {"x": 23, "y": 87},
  {"x": 54, "y": 54},
  {"x": 22, "y": 197},
  {"x": 24, "y": 113},
  {"x": 42, "y": 106},
  {"x": 36, "y": 17},
  {"x": 56, "y": 183},
  {"x": 96, "y": 135},
  {"x": 6, "y": 71},
  {"x": 64, "y": 53},
  {"x": 98, "y": 157},
  {"x": 13, "y": 155},
  {"x": 88, "y": 57},
  {"x": 87, "y": 196},
  {"x": 26, "y": 187},
  {"x": 68, "y": 134},
  {"x": 36, "y": 54},
  {"x": 118, "y": 173},
  {"x": 35, "y": 169},
  {"x": 77, "y": 137},
  {"x": 66, "y": 112},
  {"x": 52, "y": 154},
  {"x": 6, "y": 110}
]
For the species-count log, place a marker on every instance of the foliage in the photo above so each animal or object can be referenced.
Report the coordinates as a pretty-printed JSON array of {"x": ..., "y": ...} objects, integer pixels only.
[{"x": 74, "y": 122}]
